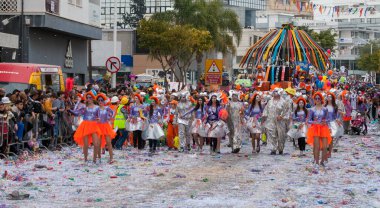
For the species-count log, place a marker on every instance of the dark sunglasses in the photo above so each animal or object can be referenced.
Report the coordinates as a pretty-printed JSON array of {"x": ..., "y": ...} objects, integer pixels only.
[{"x": 317, "y": 98}]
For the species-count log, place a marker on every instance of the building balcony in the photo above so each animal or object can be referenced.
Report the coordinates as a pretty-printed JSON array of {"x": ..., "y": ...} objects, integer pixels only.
[{"x": 345, "y": 56}]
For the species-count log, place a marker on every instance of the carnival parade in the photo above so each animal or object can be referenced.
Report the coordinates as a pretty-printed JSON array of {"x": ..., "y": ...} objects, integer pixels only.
[{"x": 302, "y": 133}]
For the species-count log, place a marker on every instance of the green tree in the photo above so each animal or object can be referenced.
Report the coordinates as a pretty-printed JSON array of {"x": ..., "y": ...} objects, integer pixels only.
[
  {"x": 138, "y": 10},
  {"x": 368, "y": 61},
  {"x": 174, "y": 46},
  {"x": 325, "y": 38},
  {"x": 222, "y": 23}
]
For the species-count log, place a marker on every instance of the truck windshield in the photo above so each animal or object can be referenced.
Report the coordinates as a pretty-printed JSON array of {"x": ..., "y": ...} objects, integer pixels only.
[{"x": 51, "y": 81}]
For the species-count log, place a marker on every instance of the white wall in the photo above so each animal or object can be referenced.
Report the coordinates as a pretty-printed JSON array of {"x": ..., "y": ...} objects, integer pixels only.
[
  {"x": 87, "y": 13},
  {"x": 32, "y": 6},
  {"x": 102, "y": 50}
]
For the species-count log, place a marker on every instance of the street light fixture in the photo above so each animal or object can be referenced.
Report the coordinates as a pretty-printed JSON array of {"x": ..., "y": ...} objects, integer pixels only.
[{"x": 7, "y": 20}]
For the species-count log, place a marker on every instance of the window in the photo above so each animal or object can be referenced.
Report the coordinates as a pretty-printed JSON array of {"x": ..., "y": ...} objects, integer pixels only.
[
  {"x": 71, "y": 1},
  {"x": 355, "y": 51},
  {"x": 79, "y": 3}
]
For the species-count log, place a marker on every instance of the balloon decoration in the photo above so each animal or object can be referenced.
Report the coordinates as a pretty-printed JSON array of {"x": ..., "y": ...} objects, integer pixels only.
[
  {"x": 288, "y": 45},
  {"x": 298, "y": 67},
  {"x": 329, "y": 52},
  {"x": 330, "y": 72}
]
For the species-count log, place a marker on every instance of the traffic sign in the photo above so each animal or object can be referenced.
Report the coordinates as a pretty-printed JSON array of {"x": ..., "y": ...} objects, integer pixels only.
[
  {"x": 113, "y": 64},
  {"x": 213, "y": 71},
  {"x": 214, "y": 66},
  {"x": 213, "y": 79}
]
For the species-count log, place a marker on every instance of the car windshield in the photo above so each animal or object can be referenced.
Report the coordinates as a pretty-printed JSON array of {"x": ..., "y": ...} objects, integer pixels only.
[{"x": 9, "y": 87}]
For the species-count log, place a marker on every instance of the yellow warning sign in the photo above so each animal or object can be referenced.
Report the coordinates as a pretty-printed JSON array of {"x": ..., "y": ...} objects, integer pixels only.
[{"x": 214, "y": 66}]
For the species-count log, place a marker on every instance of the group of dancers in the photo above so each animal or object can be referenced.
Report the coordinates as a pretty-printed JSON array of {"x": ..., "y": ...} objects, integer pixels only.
[{"x": 203, "y": 117}]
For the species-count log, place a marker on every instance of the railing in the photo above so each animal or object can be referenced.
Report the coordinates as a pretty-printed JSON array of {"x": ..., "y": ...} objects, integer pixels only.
[
  {"x": 12, "y": 7},
  {"x": 37, "y": 131}
]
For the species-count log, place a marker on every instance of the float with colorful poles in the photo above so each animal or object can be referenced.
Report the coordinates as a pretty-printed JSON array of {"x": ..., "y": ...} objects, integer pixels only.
[{"x": 281, "y": 53}]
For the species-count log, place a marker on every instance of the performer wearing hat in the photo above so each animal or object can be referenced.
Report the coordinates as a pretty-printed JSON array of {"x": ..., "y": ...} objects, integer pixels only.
[
  {"x": 154, "y": 131},
  {"x": 235, "y": 111},
  {"x": 299, "y": 128},
  {"x": 136, "y": 122},
  {"x": 88, "y": 131},
  {"x": 120, "y": 122},
  {"x": 172, "y": 130},
  {"x": 183, "y": 120},
  {"x": 107, "y": 132},
  {"x": 334, "y": 115},
  {"x": 197, "y": 129},
  {"x": 318, "y": 134},
  {"x": 274, "y": 116}
]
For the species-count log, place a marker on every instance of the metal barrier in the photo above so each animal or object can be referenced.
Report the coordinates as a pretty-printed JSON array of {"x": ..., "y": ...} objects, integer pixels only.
[
  {"x": 39, "y": 129},
  {"x": 4, "y": 134}
]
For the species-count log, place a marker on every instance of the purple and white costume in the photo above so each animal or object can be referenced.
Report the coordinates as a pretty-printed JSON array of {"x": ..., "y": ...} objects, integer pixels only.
[
  {"x": 253, "y": 119},
  {"x": 296, "y": 131},
  {"x": 134, "y": 121},
  {"x": 154, "y": 130},
  {"x": 215, "y": 127}
]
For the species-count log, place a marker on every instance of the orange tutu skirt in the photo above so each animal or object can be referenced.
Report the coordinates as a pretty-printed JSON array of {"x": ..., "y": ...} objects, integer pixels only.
[
  {"x": 172, "y": 132},
  {"x": 86, "y": 128},
  {"x": 318, "y": 130},
  {"x": 105, "y": 130}
]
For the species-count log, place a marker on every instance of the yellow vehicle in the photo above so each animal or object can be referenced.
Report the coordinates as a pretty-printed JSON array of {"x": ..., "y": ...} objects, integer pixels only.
[{"x": 22, "y": 75}]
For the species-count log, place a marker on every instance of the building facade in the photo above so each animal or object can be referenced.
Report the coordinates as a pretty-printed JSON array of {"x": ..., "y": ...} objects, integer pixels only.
[
  {"x": 245, "y": 9},
  {"x": 279, "y": 12},
  {"x": 356, "y": 22},
  {"x": 51, "y": 32}
]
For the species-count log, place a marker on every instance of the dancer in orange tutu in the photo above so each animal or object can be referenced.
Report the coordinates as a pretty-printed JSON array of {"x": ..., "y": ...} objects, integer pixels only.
[
  {"x": 105, "y": 116},
  {"x": 318, "y": 134},
  {"x": 88, "y": 131},
  {"x": 172, "y": 130}
]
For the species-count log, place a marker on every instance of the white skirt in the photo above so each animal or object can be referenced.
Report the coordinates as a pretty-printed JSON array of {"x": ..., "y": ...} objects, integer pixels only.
[
  {"x": 253, "y": 125},
  {"x": 217, "y": 129},
  {"x": 154, "y": 131},
  {"x": 336, "y": 129},
  {"x": 295, "y": 132},
  {"x": 139, "y": 124},
  {"x": 197, "y": 127}
]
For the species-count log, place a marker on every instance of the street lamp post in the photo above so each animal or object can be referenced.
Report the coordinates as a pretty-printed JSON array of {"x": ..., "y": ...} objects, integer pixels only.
[{"x": 113, "y": 78}]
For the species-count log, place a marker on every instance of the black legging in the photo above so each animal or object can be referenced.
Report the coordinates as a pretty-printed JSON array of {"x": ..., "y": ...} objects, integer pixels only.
[
  {"x": 138, "y": 142},
  {"x": 302, "y": 143},
  {"x": 213, "y": 144},
  {"x": 153, "y": 144}
]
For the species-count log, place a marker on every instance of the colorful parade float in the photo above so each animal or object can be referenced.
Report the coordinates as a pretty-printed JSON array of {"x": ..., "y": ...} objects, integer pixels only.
[{"x": 284, "y": 57}]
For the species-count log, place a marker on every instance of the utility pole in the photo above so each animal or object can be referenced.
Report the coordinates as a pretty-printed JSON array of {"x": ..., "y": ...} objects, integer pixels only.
[
  {"x": 89, "y": 60},
  {"x": 21, "y": 38},
  {"x": 113, "y": 79}
]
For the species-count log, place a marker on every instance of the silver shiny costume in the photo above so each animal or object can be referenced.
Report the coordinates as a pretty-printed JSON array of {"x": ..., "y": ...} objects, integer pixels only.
[
  {"x": 276, "y": 130},
  {"x": 235, "y": 123},
  {"x": 184, "y": 122}
]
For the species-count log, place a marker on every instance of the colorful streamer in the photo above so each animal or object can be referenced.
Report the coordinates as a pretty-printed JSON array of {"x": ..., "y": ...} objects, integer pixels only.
[{"x": 287, "y": 45}]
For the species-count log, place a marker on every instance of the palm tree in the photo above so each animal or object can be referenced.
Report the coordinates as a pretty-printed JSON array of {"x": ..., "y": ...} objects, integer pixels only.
[{"x": 207, "y": 15}]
